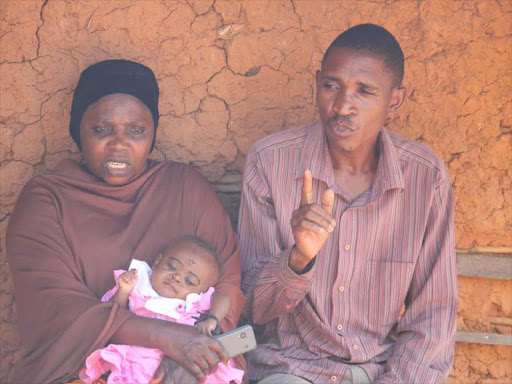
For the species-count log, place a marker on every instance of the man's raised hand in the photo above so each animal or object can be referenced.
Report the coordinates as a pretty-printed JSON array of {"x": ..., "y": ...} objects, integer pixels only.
[{"x": 311, "y": 225}]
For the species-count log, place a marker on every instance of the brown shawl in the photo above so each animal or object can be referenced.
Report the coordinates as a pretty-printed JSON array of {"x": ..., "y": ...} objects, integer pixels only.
[{"x": 70, "y": 230}]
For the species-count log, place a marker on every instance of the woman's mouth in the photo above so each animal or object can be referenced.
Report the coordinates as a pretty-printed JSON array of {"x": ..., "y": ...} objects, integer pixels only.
[{"x": 117, "y": 168}]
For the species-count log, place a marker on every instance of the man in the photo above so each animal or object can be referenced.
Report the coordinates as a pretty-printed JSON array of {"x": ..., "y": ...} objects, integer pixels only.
[{"x": 347, "y": 234}]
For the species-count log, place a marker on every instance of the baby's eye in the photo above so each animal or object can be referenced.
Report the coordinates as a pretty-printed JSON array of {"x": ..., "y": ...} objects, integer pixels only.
[
  {"x": 188, "y": 281},
  {"x": 172, "y": 267}
]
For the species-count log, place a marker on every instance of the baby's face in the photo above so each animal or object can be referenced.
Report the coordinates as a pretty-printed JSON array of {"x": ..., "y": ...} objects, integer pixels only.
[{"x": 183, "y": 269}]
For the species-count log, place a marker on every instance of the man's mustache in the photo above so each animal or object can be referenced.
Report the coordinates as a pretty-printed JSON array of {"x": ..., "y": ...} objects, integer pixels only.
[{"x": 347, "y": 120}]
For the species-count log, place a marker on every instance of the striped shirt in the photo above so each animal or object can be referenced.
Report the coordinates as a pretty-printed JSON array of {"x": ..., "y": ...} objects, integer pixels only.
[{"x": 392, "y": 248}]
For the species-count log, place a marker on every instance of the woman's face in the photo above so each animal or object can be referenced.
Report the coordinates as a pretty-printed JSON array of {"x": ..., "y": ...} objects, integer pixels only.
[{"x": 116, "y": 134}]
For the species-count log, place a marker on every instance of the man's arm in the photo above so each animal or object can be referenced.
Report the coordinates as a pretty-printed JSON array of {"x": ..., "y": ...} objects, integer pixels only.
[
  {"x": 424, "y": 350},
  {"x": 272, "y": 275}
]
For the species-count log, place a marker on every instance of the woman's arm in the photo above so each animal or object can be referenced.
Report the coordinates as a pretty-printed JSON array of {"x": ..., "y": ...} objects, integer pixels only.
[
  {"x": 193, "y": 351},
  {"x": 213, "y": 224},
  {"x": 60, "y": 319}
]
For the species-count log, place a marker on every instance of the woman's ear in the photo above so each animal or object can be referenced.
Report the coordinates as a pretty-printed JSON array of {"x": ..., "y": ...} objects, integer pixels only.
[{"x": 397, "y": 99}]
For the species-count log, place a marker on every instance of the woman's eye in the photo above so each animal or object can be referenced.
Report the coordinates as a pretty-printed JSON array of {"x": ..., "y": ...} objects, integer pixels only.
[
  {"x": 101, "y": 129},
  {"x": 137, "y": 129}
]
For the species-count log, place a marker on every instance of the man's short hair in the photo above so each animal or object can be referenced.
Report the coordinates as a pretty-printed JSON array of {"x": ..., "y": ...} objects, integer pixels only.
[{"x": 377, "y": 40}]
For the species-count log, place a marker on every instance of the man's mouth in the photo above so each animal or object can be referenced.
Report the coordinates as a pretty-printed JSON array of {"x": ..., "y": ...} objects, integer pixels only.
[{"x": 342, "y": 129}]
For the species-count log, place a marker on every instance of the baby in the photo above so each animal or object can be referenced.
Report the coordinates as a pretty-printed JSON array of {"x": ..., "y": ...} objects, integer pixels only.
[{"x": 178, "y": 288}]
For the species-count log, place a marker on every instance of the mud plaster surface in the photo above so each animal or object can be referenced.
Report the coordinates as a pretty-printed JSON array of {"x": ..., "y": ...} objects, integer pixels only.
[{"x": 231, "y": 72}]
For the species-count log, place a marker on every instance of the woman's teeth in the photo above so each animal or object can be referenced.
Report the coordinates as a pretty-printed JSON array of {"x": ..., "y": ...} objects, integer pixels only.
[{"x": 116, "y": 165}]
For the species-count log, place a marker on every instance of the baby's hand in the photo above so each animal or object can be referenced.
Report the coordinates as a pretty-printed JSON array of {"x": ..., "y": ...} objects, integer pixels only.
[
  {"x": 127, "y": 281},
  {"x": 206, "y": 327}
]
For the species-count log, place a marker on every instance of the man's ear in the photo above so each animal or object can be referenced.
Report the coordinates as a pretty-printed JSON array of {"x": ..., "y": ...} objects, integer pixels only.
[
  {"x": 397, "y": 99},
  {"x": 318, "y": 76}
]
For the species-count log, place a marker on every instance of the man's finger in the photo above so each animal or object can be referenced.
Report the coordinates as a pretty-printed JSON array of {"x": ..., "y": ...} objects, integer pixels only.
[
  {"x": 307, "y": 189},
  {"x": 328, "y": 200}
]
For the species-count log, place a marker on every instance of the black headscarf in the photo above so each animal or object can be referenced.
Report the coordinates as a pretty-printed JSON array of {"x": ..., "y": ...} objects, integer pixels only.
[{"x": 113, "y": 76}]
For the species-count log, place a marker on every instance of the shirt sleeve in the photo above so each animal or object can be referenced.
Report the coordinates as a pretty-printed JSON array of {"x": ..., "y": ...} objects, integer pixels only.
[
  {"x": 271, "y": 287},
  {"x": 61, "y": 320},
  {"x": 424, "y": 349}
]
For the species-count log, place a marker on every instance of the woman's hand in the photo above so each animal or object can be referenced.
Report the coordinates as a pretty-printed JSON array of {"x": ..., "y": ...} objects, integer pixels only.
[
  {"x": 170, "y": 372},
  {"x": 197, "y": 353}
]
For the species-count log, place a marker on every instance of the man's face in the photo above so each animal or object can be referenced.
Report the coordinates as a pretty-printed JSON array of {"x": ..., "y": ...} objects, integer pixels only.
[
  {"x": 183, "y": 269},
  {"x": 116, "y": 134},
  {"x": 355, "y": 94}
]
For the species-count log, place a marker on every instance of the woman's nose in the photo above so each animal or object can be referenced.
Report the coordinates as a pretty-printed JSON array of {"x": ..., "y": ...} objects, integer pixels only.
[{"x": 117, "y": 141}]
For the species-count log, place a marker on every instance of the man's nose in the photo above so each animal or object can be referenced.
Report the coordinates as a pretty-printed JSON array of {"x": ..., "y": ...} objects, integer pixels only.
[{"x": 343, "y": 105}]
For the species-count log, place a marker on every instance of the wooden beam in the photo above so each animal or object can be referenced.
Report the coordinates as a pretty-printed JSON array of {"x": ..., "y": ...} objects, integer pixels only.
[
  {"x": 486, "y": 265},
  {"x": 483, "y": 338}
]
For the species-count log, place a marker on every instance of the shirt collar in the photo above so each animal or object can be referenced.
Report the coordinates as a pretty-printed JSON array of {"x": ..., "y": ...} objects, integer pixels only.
[
  {"x": 315, "y": 156},
  {"x": 389, "y": 172}
]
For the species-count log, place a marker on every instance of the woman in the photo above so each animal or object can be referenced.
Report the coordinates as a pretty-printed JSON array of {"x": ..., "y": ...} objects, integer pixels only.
[{"x": 76, "y": 224}]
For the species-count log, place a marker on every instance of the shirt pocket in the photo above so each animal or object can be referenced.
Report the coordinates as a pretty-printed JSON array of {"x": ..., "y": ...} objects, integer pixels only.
[{"x": 388, "y": 283}]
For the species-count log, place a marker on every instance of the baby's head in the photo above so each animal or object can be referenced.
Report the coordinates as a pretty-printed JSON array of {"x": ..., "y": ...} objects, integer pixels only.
[{"x": 188, "y": 265}]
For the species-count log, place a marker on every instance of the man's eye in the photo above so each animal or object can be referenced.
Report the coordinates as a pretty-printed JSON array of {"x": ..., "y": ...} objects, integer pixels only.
[
  {"x": 330, "y": 86},
  {"x": 366, "y": 92}
]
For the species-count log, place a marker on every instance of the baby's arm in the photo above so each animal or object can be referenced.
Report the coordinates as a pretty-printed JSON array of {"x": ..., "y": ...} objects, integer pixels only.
[
  {"x": 219, "y": 307},
  {"x": 126, "y": 281}
]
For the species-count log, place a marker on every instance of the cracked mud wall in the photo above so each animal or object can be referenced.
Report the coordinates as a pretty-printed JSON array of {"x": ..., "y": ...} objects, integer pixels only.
[{"x": 231, "y": 72}]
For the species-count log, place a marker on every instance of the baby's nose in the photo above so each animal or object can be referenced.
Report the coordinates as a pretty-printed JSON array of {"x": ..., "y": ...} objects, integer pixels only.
[{"x": 176, "y": 278}]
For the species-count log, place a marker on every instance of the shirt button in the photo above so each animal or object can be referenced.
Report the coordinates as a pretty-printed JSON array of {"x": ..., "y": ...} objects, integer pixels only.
[
  {"x": 347, "y": 247},
  {"x": 288, "y": 307},
  {"x": 356, "y": 347},
  {"x": 341, "y": 288},
  {"x": 340, "y": 327},
  {"x": 334, "y": 378}
]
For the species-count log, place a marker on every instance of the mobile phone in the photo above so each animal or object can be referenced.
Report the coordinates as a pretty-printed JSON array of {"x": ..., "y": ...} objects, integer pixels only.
[{"x": 238, "y": 341}]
